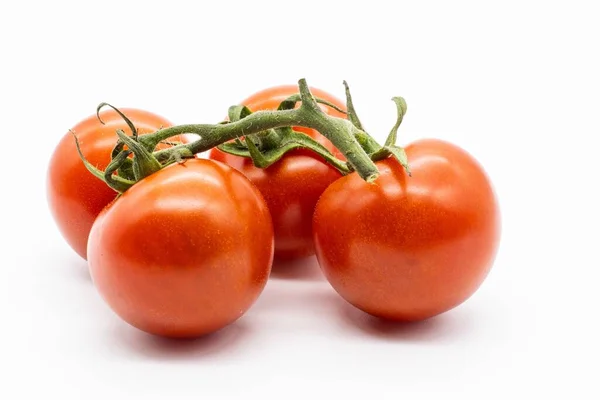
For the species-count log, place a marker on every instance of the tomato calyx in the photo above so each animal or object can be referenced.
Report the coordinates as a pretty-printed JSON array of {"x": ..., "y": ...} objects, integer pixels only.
[
  {"x": 370, "y": 145},
  {"x": 123, "y": 172},
  {"x": 115, "y": 182},
  {"x": 267, "y": 147},
  {"x": 390, "y": 148},
  {"x": 263, "y": 136}
]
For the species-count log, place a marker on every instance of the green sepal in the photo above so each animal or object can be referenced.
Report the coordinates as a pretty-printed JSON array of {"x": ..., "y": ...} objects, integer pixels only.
[
  {"x": 291, "y": 141},
  {"x": 127, "y": 120},
  {"x": 352, "y": 116},
  {"x": 126, "y": 170},
  {"x": 400, "y": 154},
  {"x": 117, "y": 183},
  {"x": 261, "y": 160},
  {"x": 290, "y": 103},
  {"x": 114, "y": 166},
  {"x": 144, "y": 163},
  {"x": 237, "y": 112},
  {"x": 237, "y": 148},
  {"x": 401, "y": 111},
  {"x": 308, "y": 142},
  {"x": 395, "y": 151}
]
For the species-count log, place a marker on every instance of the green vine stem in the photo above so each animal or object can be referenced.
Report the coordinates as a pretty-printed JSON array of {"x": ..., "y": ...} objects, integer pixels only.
[
  {"x": 264, "y": 136},
  {"x": 341, "y": 132}
]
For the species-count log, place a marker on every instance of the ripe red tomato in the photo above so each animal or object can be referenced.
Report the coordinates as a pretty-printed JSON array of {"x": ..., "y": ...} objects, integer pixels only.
[
  {"x": 185, "y": 251},
  {"x": 75, "y": 196},
  {"x": 291, "y": 186},
  {"x": 409, "y": 248}
]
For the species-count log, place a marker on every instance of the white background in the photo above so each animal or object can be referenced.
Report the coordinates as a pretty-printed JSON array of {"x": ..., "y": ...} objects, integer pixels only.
[{"x": 514, "y": 82}]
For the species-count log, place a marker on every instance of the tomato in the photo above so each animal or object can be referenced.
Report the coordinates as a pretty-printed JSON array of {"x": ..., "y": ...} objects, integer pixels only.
[
  {"x": 185, "y": 251},
  {"x": 74, "y": 195},
  {"x": 291, "y": 186},
  {"x": 409, "y": 248}
]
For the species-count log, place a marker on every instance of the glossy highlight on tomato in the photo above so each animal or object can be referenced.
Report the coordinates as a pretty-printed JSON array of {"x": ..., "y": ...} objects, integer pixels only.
[
  {"x": 409, "y": 248},
  {"x": 291, "y": 186},
  {"x": 185, "y": 251},
  {"x": 75, "y": 196}
]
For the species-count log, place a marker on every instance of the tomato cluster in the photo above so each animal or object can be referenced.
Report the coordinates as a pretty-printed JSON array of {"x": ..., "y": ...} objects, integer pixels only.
[{"x": 188, "y": 249}]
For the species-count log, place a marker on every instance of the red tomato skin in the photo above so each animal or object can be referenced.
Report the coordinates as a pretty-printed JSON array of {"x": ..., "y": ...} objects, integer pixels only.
[
  {"x": 184, "y": 252},
  {"x": 75, "y": 197},
  {"x": 291, "y": 186},
  {"x": 409, "y": 248}
]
